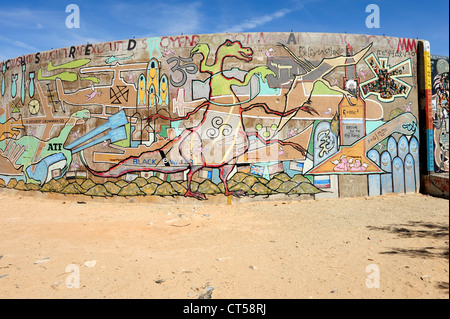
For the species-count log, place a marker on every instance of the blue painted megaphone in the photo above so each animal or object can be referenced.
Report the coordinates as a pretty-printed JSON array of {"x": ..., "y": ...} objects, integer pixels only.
[{"x": 116, "y": 124}]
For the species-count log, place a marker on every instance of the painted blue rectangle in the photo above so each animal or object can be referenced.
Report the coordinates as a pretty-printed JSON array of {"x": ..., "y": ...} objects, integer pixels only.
[
  {"x": 353, "y": 121},
  {"x": 322, "y": 182},
  {"x": 430, "y": 150}
]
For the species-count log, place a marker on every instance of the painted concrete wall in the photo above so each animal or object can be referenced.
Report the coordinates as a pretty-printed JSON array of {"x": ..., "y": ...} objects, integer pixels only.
[
  {"x": 435, "y": 173},
  {"x": 440, "y": 108},
  {"x": 247, "y": 114}
]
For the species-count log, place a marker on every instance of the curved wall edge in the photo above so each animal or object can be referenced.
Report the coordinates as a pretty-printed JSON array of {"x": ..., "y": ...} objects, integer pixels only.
[{"x": 314, "y": 115}]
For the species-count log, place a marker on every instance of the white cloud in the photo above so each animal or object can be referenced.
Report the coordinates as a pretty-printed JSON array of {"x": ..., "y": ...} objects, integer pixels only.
[
  {"x": 258, "y": 21},
  {"x": 160, "y": 18},
  {"x": 16, "y": 18},
  {"x": 186, "y": 21},
  {"x": 18, "y": 44}
]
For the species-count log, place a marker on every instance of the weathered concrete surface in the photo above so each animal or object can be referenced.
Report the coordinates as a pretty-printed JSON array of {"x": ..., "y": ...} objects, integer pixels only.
[{"x": 436, "y": 185}]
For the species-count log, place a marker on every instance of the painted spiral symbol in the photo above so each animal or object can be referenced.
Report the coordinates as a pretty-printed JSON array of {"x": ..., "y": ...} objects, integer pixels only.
[
  {"x": 226, "y": 130},
  {"x": 212, "y": 132},
  {"x": 218, "y": 128},
  {"x": 217, "y": 122}
]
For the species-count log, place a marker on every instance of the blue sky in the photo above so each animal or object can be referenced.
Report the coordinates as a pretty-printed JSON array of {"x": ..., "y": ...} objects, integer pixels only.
[{"x": 30, "y": 26}]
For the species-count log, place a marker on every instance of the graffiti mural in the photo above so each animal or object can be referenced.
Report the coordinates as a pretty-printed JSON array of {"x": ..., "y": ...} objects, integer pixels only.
[
  {"x": 440, "y": 109},
  {"x": 247, "y": 114}
]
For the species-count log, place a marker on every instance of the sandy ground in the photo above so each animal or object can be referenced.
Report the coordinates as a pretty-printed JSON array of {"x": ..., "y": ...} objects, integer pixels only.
[{"x": 80, "y": 247}]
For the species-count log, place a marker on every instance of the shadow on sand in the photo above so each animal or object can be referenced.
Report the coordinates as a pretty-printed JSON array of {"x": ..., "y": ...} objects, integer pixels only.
[{"x": 420, "y": 230}]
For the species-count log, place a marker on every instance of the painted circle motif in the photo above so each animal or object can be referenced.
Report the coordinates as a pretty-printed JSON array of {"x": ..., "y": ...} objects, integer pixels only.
[{"x": 34, "y": 107}]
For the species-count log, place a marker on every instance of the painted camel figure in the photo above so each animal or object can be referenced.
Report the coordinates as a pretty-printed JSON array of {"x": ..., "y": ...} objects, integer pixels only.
[{"x": 220, "y": 138}]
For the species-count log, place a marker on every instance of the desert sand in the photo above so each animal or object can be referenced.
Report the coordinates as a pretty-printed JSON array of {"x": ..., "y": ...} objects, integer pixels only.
[{"x": 76, "y": 246}]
